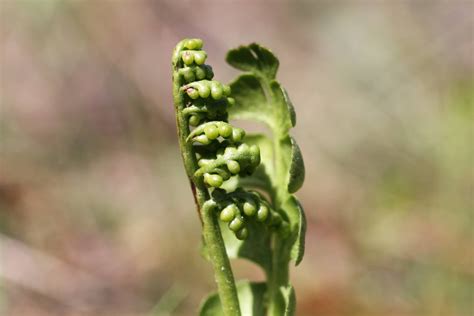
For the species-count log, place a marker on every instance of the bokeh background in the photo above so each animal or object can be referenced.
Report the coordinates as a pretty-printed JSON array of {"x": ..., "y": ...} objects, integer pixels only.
[{"x": 96, "y": 216}]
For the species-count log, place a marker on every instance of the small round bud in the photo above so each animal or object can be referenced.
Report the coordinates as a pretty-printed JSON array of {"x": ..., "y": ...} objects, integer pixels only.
[
  {"x": 200, "y": 73},
  {"x": 214, "y": 180},
  {"x": 243, "y": 148},
  {"x": 194, "y": 120},
  {"x": 211, "y": 132},
  {"x": 262, "y": 213},
  {"x": 249, "y": 208},
  {"x": 203, "y": 88},
  {"x": 242, "y": 234},
  {"x": 188, "y": 58},
  {"x": 202, "y": 139},
  {"x": 238, "y": 134},
  {"x": 216, "y": 90},
  {"x": 230, "y": 151},
  {"x": 236, "y": 224},
  {"x": 204, "y": 162},
  {"x": 200, "y": 57},
  {"x": 225, "y": 130},
  {"x": 189, "y": 76},
  {"x": 226, "y": 90},
  {"x": 194, "y": 43},
  {"x": 233, "y": 166},
  {"x": 228, "y": 213},
  {"x": 192, "y": 93},
  {"x": 255, "y": 152}
]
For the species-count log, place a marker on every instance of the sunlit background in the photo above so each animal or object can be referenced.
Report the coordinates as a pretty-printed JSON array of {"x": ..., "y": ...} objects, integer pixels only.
[{"x": 96, "y": 215}]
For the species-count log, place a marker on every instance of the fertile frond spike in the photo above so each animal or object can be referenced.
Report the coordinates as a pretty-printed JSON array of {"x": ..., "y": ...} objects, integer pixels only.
[
  {"x": 203, "y": 101},
  {"x": 194, "y": 106}
]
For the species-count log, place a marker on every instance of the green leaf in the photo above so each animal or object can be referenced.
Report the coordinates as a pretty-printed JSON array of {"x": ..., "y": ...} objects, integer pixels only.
[
  {"x": 262, "y": 100},
  {"x": 255, "y": 248},
  {"x": 254, "y": 58},
  {"x": 291, "y": 108},
  {"x": 251, "y": 298},
  {"x": 296, "y": 171},
  {"x": 298, "y": 227}
]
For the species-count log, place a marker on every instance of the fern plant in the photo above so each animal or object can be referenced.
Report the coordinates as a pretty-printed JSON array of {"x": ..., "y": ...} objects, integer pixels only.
[{"x": 243, "y": 185}]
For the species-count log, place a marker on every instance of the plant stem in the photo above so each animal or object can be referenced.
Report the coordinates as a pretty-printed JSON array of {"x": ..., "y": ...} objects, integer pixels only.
[
  {"x": 279, "y": 276},
  {"x": 211, "y": 230},
  {"x": 280, "y": 273},
  {"x": 220, "y": 262}
]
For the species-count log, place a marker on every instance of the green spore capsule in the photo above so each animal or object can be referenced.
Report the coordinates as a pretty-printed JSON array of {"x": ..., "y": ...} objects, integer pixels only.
[
  {"x": 200, "y": 73},
  {"x": 188, "y": 75},
  {"x": 211, "y": 132},
  {"x": 203, "y": 88},
  {"x": 192, "y": 93},
  {"x": 225, "y": 130},
  {"x": 194, "y": 43},
  {"x": 188, "y": 58},
  {"x": 228, "y": 213},
  {"x": 255, "y": 155},
  {"x": 249, "y": 208},
  {"x": 200, "y": 57},
  {"x": 236, "y": 224},
  {"x": 204, "y": 162},
  {"x": 194, "y": 120},
  {"x": 214, "y": 180},
  {"x": 202, "y": 139},
  {"x": 233, "y": 166},
  {"x": 262, "y": 213},
  {"x": 242, "y": 234},
  {"x": 243, "y": 148},
  {"x": 230, "y": 151},
  {"x": 216, "y": 90},
  {"x": 237, "y": 135},
  {"x": 226, "y": 90}
]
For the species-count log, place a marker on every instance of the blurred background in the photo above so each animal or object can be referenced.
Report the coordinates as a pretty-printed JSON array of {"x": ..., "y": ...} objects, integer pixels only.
[{"x": 96, "y": 216}]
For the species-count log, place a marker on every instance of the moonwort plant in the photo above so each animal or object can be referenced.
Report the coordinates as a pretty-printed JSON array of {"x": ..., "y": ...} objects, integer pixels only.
[{"x": 243, "y": 185}]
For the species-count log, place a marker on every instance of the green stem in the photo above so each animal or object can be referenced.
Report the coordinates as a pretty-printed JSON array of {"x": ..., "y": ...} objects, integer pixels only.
[
  {"x": 211, "y": 230},
  {"x": 220, "y": 261},
  {"x": 279, "y": 274}
]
